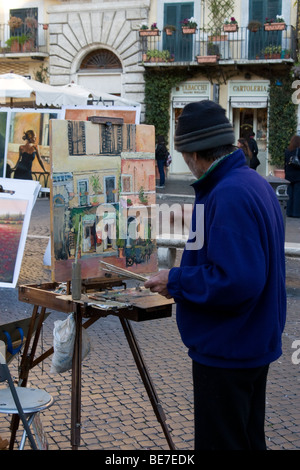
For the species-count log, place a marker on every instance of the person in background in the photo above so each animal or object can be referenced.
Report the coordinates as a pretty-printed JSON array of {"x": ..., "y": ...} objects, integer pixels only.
[
  {"x": 27, "y": 153},
  {"x": 230, "y": 287},
  {"x": 292, "y": 174},
  {"x": 243, "y": 145},
  {"x": 161, "y": 155},
  {"x": 254, "y": 163}
]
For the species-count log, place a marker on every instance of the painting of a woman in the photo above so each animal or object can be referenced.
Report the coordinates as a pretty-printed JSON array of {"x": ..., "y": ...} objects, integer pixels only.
[{"x": 27, "y": 153}]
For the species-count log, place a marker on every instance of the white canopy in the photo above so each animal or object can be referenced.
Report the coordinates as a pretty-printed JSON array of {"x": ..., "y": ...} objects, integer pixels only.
[
  {"x": 17, "y": 86},
  {"x": 96, "y": 95}
]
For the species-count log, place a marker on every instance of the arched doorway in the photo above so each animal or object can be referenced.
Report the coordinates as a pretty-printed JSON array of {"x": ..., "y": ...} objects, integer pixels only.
[{"x": 101, "y": 70}]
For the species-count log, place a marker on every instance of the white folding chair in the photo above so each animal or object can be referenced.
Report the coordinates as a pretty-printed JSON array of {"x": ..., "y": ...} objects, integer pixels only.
[{"x": 25, "y": 402}]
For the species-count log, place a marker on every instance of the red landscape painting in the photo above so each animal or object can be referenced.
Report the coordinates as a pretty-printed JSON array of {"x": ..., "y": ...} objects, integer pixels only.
[{"x": 11, "y": 223}]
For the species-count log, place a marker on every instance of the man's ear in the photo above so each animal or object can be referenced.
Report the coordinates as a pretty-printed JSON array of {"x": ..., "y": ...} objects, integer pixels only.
[{"x": 194, "y": 156}]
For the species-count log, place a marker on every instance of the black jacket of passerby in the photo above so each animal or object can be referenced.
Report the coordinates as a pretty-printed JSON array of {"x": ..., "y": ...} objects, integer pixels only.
[{"x": 292, "y": 173}]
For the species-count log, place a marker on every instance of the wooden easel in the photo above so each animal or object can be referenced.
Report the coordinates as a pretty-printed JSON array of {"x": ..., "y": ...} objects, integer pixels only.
[{"x": 44, "y": 297}]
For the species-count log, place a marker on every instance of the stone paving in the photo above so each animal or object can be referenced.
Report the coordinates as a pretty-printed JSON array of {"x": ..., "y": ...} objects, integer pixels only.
[{"x": 116, "y": 412}]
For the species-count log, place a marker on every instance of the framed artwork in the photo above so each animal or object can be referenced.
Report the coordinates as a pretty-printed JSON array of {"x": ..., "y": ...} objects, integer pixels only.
[
  {"x": 19, "y": 121},
  {"x": 130, "y": 115},
  {"x": 102, "y": 197},
  {"x": 16, "y": 203}
]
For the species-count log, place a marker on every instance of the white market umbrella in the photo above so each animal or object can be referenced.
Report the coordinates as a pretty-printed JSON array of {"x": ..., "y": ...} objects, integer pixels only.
[
  {"x": 98, "y": 95},
  {"x": 16, "y": 86}
]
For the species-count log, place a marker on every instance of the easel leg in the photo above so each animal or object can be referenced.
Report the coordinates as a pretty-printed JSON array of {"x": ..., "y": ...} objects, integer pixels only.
[
  {"x": 76, "y": 382},
  {"x": 146, "y": 379}
]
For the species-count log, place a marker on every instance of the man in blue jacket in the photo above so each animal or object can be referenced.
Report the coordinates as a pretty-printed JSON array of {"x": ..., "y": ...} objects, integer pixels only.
[{"x": 230, "y": 286}]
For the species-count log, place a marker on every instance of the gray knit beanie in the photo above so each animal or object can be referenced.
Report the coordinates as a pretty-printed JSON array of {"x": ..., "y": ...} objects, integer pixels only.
[{"x": 202, "y": 125}]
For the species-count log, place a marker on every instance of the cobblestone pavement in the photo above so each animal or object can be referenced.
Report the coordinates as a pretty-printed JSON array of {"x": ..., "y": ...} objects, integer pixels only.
[{"x": 116, "y": 412}]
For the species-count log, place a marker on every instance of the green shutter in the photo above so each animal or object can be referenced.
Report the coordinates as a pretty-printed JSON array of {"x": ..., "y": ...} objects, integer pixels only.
[
  {"x": 262, "y": 9},
  {"x": 180, "y": 45}
]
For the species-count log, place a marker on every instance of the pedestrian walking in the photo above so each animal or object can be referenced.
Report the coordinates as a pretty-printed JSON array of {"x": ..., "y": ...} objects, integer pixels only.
[
  {"x": 243, "y": 145},
  {"x": 254, "y": 163},
  {"x": 161, "y": 155},
  {"x": 230, "y": 286},
  {"x": 292, "y": 174}
]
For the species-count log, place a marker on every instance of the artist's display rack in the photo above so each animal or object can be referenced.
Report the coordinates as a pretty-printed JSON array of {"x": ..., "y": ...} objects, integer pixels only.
[{"x": 139, "y": 308}]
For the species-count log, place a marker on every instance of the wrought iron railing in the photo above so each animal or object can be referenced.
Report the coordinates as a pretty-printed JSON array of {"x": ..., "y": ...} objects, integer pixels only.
[
  {"x": 23, "y": 39},
  {"x": 227, "y": 46}
]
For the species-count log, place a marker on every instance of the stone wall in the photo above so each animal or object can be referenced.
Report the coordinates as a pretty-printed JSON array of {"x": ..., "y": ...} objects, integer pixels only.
[{"x": 77, "y": 29}]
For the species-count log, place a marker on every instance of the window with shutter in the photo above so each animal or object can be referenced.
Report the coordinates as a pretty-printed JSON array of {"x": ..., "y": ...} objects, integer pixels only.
[
  {"x": 260, "y": 10},
  {"x": 181, "y": 45}
]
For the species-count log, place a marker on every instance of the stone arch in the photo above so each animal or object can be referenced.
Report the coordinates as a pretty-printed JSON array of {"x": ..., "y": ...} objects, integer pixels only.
[
  {"x": 77, "y": 30},
  {"x": 99, "y": 66},
  {"x": 101, "y": 59}
]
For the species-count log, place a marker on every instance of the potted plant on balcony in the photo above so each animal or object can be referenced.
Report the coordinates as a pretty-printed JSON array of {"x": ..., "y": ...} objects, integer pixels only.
[
  {"x": 268, "y": 52},
  {"x": 15, "y": 43},
  {"x": 14, "y": 22},
  {"x": 254, "y": 26},
  {"x": 155, "y": 55},
  {"x": 276, "y": 52},
  {"x": 152, "y": 31},
  {"x": 213, "y": 54},
  {"x": 277, "y": 24},
  {"x": 230, "y": 26},
  {"x": 189, "y": 25},
  {"x": 31, "y": 25},
  {"x": 169, "y": 29}
]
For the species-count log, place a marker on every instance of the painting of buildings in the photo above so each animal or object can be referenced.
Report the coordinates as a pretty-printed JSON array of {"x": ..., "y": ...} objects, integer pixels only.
[{"x": 102, "y": 197}]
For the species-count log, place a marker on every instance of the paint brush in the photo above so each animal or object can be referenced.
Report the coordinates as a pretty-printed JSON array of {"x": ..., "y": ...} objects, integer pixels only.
[{"x": 123, "y": 272}]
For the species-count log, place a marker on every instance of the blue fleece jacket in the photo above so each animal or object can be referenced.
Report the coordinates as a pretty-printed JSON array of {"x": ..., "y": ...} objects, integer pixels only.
[{"x": 230, "y": 289}]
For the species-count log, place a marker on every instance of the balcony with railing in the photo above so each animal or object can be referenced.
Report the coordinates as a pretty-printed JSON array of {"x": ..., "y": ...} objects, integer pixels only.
[
  {"x": 208, "y": 47},
  {"x": 24, "y": 41}
]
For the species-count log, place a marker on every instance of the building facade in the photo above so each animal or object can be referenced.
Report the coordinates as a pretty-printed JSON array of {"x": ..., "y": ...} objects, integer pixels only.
[{"x": 103, "y": 45}]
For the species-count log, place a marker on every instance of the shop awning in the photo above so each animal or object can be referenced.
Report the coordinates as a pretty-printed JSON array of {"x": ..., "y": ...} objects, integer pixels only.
[
  {"x": 180, "y": 101},
  {"x": 249, "y": 102}
]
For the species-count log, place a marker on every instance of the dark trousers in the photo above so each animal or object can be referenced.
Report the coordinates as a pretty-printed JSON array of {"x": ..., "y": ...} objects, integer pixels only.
[
  {"x": 229, "y": 408},
  {"x": 293, "y": 203},
  {"x": 161, "y": 169}
]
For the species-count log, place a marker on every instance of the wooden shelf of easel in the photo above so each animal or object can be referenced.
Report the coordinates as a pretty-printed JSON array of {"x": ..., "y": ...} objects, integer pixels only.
[{"x": 141, "y": 309}]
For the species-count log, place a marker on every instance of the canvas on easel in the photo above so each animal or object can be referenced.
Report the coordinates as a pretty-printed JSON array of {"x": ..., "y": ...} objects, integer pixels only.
[
  {"x": 17, "y": 198},
  {"x": 102, "y": 197}
]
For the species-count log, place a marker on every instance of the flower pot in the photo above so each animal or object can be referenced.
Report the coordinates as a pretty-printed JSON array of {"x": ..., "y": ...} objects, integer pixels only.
[
  {"x": 207, "y": 59},
  {"x": 230, "y": 28},
  {"x": 280, "y": 173},
  {"x": 15, "y": 46},
  {"x": 149, "y": 32},
  {"x": 274, "y": 26},
  {"x": 169, "y": 32},
  {"x": 218, "y": 38},
  {"x": 28, "y": 45},
  {"x": 187, "y": 30},
  {"x": 276, "y": 56},
  {"x": 45, "y": 26}
]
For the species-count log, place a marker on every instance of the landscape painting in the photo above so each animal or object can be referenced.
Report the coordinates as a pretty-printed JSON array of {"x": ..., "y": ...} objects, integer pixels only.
[
  {"x": 17, "y": 199},
  {"x": 102, "y": 197},
  {"x": 12, "y": 214}
]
